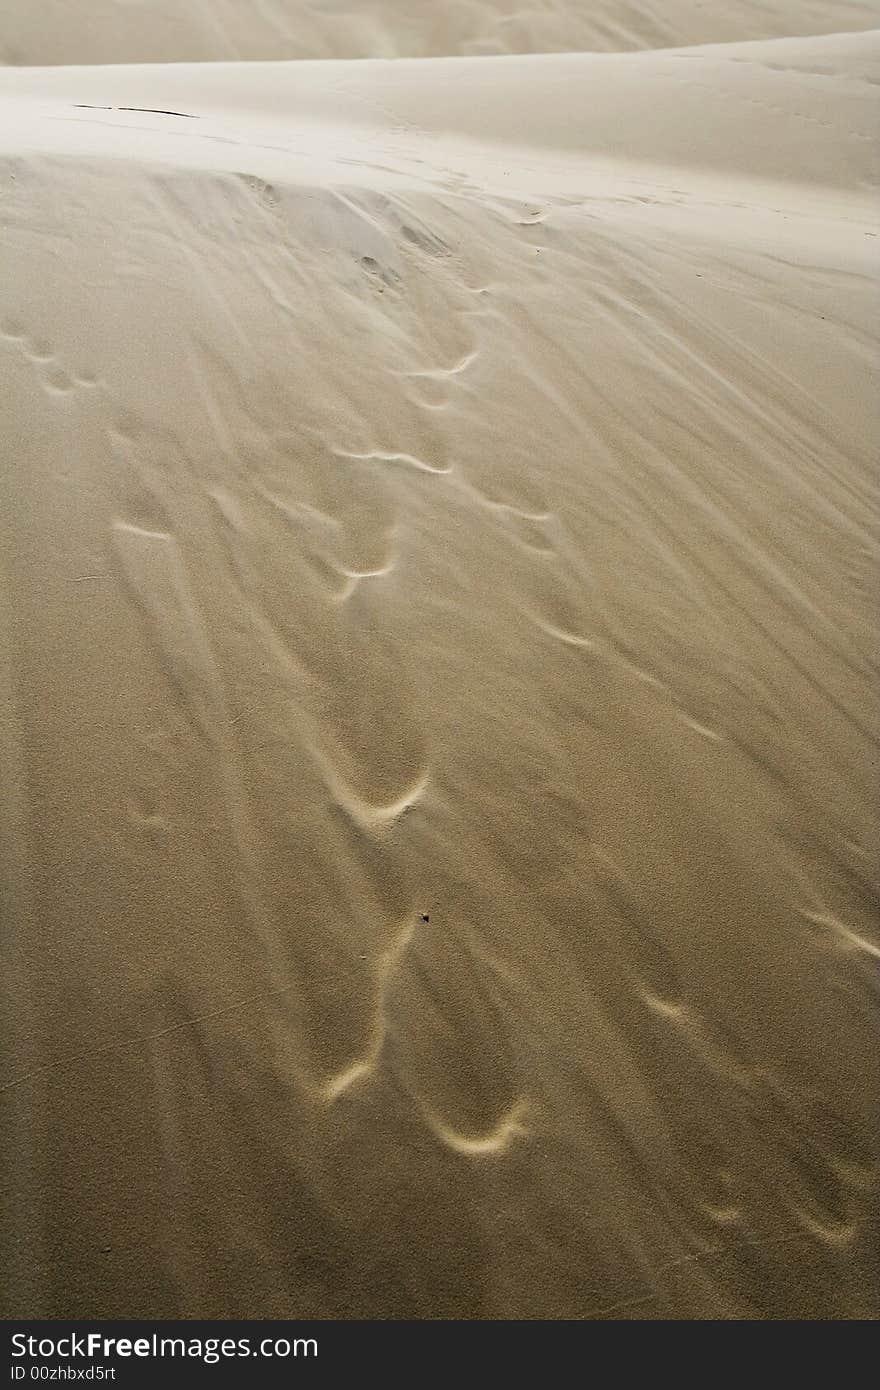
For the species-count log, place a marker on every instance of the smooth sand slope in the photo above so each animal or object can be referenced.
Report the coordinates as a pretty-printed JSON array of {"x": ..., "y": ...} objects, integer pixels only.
[
  {"x": 163, "y": 31},
  {"x": 438, "y": 543}
]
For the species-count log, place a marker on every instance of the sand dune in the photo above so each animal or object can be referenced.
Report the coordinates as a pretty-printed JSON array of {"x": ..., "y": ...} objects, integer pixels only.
[
  {"x": 563, "y": 110},
  {"x": 438, "y": 541},
  {"x": 162, "y": 31}
]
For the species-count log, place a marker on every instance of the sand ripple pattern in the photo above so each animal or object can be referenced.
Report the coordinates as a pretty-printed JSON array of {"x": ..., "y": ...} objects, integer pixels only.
[{"x": 438, "y": 646}]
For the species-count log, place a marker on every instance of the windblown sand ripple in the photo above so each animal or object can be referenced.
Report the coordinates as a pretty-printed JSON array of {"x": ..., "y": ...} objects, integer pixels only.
[{"x": 438, "y": 543}]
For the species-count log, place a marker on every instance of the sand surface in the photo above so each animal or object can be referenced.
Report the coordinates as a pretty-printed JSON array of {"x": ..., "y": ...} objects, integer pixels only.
[
  {"x": 438, "y": 646},
  {"x": 173, "y": 31}
]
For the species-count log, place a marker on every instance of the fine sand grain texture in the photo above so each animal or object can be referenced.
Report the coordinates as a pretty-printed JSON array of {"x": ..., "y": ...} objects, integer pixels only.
[
  {"x": 163, "y": 31},
  {"x": 438, "y": 646}
]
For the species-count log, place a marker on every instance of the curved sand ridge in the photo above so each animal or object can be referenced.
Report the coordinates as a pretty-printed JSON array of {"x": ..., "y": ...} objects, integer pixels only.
[
  {"x": 172, "y": 31},
  {"x": 601, "y": 113},
  {"x": 438, "y": 533}
]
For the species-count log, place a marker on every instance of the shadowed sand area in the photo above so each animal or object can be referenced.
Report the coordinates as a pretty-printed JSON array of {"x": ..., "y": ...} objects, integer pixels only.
[{"x": 438, "y": 646}]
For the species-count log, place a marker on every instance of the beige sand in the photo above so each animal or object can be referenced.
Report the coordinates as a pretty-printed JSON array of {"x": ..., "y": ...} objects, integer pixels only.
[
  {"x": 169, "y": 31},
  {"x": 438, "y": 541}
]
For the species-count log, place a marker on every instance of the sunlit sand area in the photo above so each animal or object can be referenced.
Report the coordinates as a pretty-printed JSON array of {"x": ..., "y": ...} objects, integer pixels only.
[{"x": 438, "y": 639}]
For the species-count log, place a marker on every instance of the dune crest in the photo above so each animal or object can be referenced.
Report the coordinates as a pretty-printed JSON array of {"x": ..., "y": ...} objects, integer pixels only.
[{"x": 173, "y": 31}]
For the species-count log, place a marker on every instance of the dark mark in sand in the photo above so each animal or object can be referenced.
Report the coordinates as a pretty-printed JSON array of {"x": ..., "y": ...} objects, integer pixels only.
[
  {"x": 149, "y": 110},
  {"x": 157, "y": 111}
]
